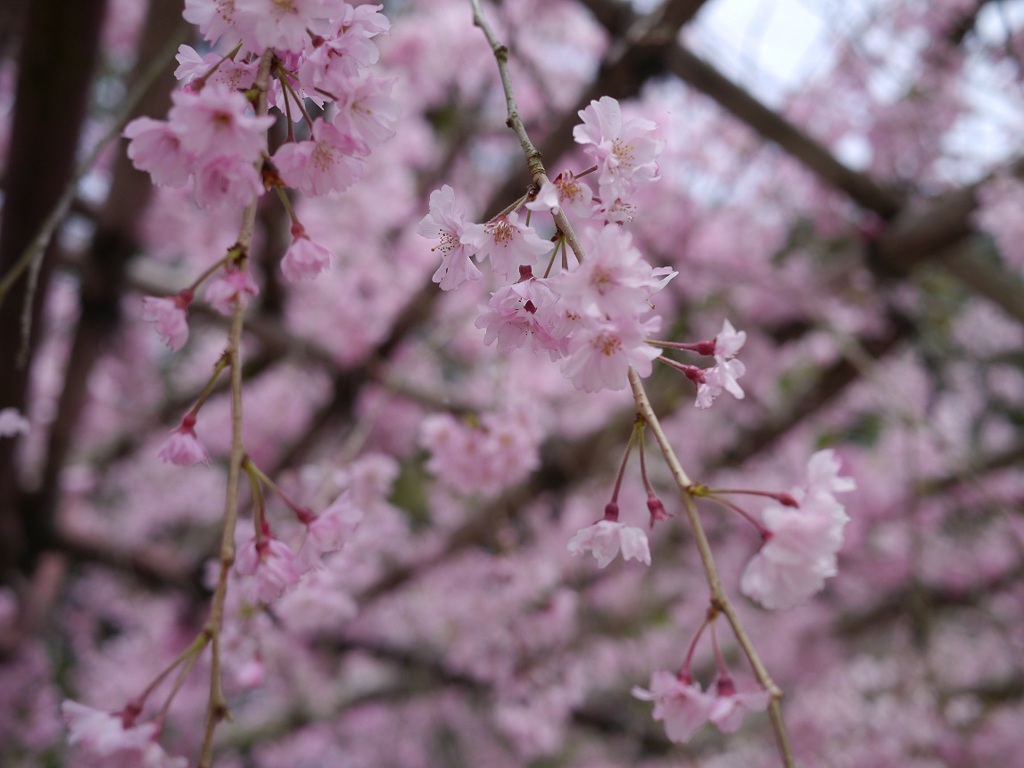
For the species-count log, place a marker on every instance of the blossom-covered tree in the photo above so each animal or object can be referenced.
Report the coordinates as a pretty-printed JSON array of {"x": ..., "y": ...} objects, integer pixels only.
[{"x": 412, "y": 384}]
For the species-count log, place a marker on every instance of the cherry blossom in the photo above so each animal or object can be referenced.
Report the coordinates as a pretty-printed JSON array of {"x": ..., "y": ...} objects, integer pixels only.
[
  {"x": 345, "y": 49},
  {"x": 367, "y": 110},
  {"x": 213, "y": 17},
  {"x": 226, "y": 180},
  {"x": 192, "y": 64},
  {"x": 305, "y": 259},
  {"x": 484, "y": 454},
  {"x": 799, "y": 551},
  {"x": 270, "y": 24},
  {"x": 230, "y": 287},
  {"x": 154, "y": 146},
  {"x": 605, "y": 538},
  {"x": 616, "y": 212},
  {"x": 473, "y": 619},
  {"x": 730, "y": 706},
  {"x": 507, "y": 243},
  {"x": 447, "y": 222},
  {"x": 330, "y": 530},
  {"x": 564, "y": 191},
  {"x": 106, "y": 739},
  {"x": 170, "y": 317},
  {"x": 217, "y": 121},
  {"x": 624, "y": 151},
  {"x": 523, "y": 314},
  {"x": 602, "y": 352},
  {"x": 823, "y": 477},
  {"x": 271, "y": 564},
  {"x": 722, "y": 377},
  {"x": 728, "y": 342},
  {"x": 211, "y": 135},
  {"x": 183, "y": 447},
  {"x": 614, "y": 281},
  {"x": 330, "y": 162},
  {"x": 794, "y": 562},
  {"x": 679, "y": 702}
]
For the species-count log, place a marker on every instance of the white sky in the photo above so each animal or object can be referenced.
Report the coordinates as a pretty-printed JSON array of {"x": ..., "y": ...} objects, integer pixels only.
[{"x": 770, "y": 46}]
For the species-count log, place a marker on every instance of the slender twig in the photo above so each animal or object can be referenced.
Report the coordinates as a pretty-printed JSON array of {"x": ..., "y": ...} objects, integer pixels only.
[
  {"x": 217, "y": 707},
  {"x": 533, "y": 158},
  {"x": 719, "y": 598}
]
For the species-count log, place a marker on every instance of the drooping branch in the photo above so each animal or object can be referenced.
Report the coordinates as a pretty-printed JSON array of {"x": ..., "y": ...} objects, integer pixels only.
[
  {"x": 720, "y": 602},
  {"x": 217, "y": 708},
  {"x": 638, "y": 52}
]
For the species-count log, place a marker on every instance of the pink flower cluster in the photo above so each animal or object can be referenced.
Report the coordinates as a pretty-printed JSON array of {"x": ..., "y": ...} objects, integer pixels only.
[
  {"x": 595, "y": 317},
  {"x": 800, "y": 544},
  {"x": 483, "y": 455},
  {"x": 271, "y": 567},
  {"x": 271, "y": 564},
  {"x": 183, "y": 447},
  {"x": 170, "y": 314},
  {"x": 211, "y": 137},
  {"x": 321, "y": 52}
]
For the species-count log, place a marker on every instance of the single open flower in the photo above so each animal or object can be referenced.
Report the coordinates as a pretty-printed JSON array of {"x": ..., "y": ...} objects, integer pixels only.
[{"x": 605, "y": 538}]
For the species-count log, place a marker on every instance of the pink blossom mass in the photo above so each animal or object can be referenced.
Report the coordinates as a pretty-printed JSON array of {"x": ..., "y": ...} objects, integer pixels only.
[{"x": 504, "y": 383}]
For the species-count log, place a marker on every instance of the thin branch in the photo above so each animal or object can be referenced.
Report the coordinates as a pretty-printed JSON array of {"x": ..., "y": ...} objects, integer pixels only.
[
  {"x": 719, "y": 598},
  {"x": 637, "y": 53},
  {"x": 515, "y": 122},
  {"x": 938, "y": 235},
  {"x": 772, "y": 126},
  {"x": 217, "y": 708}
]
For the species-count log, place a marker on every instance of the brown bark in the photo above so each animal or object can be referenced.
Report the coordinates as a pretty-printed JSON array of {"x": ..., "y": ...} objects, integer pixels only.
[
  {"x": 103, "y": 275},
  {"x": 58, "y": 53}
]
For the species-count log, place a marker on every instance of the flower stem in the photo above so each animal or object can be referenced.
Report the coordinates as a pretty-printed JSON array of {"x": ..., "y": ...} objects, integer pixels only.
[
  {"x": 739, "y": 511},
  {"x": 217, "y": 707},
  {"x": 719, "y": 598},
  {"x": 515, "y": 122},
  {"x": 218, "y": 369}
]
